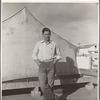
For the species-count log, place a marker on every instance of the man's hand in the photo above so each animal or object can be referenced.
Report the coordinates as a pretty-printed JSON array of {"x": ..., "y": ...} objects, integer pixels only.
[
  {"x": 54, "y": 62},
  {"x": 37, "y": 61}
]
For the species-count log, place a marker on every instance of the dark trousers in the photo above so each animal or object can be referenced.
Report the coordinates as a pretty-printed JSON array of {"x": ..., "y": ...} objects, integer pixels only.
[{"x": 46, "y": 79}]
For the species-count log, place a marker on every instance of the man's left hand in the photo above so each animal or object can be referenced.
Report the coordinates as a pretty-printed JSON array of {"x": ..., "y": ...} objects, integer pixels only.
[{"x": 54, "y": 62}]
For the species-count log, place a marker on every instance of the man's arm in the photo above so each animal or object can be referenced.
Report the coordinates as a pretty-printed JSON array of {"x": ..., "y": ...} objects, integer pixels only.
[
  {"x": 58, "y": 55},
  {"x": 35, "y": 53}
]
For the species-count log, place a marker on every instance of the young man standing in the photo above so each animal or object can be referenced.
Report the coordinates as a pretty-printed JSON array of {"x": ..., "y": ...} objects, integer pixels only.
[{"x": 46, "y": 54}]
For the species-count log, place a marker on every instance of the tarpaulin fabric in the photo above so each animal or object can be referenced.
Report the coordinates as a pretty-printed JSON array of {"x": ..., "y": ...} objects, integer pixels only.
[{"x": 20, "y": 33}]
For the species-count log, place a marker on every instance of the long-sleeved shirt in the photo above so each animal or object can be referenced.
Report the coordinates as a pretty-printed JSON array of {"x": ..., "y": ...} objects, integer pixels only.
[{"x": 46, "y": 51}]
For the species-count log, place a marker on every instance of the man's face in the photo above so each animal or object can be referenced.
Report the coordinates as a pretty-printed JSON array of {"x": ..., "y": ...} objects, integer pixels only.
[{"x": 46, "y": 35}]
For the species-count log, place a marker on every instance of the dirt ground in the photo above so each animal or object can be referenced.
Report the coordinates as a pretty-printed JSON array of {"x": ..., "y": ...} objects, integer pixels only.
[{"x": 69, "y": 92}]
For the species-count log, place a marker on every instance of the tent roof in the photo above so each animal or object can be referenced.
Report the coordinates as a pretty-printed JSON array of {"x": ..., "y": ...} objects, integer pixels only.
[{"x": 27, "y": 11}]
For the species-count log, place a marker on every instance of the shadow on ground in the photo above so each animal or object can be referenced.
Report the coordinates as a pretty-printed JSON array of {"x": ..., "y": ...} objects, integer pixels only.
[
  {"x": 66, "y": 90},
  {"x": 68, "y": 74},
  {"x": 67, "y": 71}
]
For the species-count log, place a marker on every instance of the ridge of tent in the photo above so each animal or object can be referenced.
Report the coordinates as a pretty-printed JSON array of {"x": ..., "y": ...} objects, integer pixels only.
[
  {"x": 86, "y": 46},
  {"x": 14, "y": 14},
  {"x": 51, "y": 30}
]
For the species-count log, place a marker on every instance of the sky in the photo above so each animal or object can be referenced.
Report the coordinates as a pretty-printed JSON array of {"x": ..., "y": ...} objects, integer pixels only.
[{"x": 75, "y": 22}]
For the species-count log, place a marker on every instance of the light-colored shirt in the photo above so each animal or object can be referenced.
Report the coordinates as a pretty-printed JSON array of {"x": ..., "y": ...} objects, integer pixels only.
[{"x": 46, "y": 51}]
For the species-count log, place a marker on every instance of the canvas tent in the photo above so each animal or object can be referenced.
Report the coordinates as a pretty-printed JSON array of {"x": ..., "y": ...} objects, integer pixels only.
[
  {"x": 20, "y": 33},
  {"x": 88, "y": 54}
]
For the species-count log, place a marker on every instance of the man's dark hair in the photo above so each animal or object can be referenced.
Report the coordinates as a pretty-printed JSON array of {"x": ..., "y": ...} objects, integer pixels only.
[{"x": 46, "y": 29}]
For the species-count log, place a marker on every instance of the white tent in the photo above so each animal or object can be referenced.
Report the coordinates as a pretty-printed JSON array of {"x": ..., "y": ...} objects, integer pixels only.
[
  {"x": 20, "y": 33},
  {"x": 88, "y": 54}
]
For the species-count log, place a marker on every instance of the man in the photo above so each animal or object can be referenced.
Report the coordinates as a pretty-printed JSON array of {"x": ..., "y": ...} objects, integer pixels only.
[{"x": 46, "y": 54}]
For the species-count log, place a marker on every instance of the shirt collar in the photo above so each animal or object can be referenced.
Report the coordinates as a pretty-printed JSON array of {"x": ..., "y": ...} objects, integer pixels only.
[{"x": 44, "y": 41}]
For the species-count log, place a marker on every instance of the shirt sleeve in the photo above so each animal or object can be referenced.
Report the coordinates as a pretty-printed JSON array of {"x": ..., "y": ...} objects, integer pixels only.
[
  {"x": 58, "y": 53},
  {"x": 35, "y": 52}
]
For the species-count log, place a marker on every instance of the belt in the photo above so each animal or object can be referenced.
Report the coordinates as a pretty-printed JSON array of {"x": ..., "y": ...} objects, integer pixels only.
[{"x": 46, "y": 60}]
